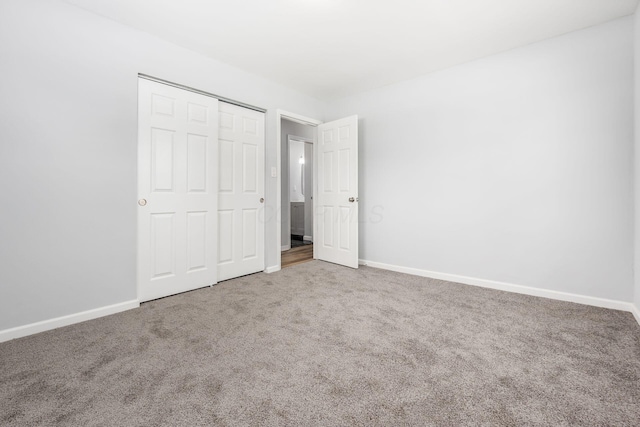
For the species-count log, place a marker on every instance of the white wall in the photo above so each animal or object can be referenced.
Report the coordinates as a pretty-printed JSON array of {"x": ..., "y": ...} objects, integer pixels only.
[
  {"x": 308, "y": 201},
  {"x": 636, "y": 46},
  {"x": 514, "y": 168},
  {"x": 303, "y": 131},
  {"x": 296, "y": 150},
  {"x": 298, "y": 193},
  {"x": 68, "y": 152}
]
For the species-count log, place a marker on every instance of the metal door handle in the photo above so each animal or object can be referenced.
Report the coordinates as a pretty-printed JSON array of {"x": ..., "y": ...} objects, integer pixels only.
[
  {"x": 142, "y": 202},
  {"x": 261, "y": 199},
  {"x": 351, "y": 199}
]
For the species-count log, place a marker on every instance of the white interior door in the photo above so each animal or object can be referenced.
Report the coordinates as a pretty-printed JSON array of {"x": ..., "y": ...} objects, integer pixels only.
[
  {"x": 337, "y": 201},
  {"x": 240, "y": 192},
  {"x": 177, "y": 190}
]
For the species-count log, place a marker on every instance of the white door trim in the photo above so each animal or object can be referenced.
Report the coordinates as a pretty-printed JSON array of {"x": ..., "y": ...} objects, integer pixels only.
[{"x": 280, "y": 114}]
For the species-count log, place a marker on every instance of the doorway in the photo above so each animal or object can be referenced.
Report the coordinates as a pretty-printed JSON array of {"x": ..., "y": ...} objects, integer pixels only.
[
  {"x": 335, "y": 188},
  {"x": 297, "y": 192},
  {"x": 301, "y": 191}
]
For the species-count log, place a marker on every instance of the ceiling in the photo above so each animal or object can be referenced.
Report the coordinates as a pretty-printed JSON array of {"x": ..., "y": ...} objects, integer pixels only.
[{"x": 334, "y": 48}]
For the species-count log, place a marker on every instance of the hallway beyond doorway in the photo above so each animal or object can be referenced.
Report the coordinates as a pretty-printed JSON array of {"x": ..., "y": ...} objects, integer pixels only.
[{"x": 297, "y": 255}]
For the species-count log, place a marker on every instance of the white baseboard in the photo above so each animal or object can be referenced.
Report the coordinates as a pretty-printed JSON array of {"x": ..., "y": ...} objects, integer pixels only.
[
  {"x": 285, "y": 248},
  {"x": 508, "y": 287},
  {"x": 272, "y": 269},
  {"x": 636, "y": 312},
  {"x": 46, "y": 325},
  {"x": 307, "y": 238}
]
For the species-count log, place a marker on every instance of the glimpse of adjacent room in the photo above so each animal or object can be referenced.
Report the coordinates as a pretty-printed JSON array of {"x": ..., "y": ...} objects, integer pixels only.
[{"x": 297, "y": 192}]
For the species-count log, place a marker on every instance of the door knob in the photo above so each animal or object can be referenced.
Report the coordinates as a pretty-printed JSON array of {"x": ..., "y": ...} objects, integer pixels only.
[
  {"x": 351, "y": 199},
  {"x": 261, "y": 199},
  {"x": 142, "y": 202}
]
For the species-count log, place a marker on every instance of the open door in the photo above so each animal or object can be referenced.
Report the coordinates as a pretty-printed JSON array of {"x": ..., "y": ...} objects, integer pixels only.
[{"x": 337, "y": 201}]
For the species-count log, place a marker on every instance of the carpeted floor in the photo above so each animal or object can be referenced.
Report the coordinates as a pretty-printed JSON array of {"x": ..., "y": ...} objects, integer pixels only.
[{"x": 318, "y": 344}]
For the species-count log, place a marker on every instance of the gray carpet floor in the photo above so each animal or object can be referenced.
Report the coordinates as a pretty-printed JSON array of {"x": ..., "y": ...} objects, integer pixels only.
[{"x": 318, "y": 344}]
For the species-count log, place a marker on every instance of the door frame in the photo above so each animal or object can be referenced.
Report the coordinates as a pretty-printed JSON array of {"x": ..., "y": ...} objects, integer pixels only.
[
  {"x": 313, "y": 179},
  {"x": 281, "y": 114}
]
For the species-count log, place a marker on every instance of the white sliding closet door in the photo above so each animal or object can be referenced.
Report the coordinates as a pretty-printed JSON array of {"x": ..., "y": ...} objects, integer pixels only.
[
  {"x": 240, "y": 192},
  {"x": 177, "y": 190}
]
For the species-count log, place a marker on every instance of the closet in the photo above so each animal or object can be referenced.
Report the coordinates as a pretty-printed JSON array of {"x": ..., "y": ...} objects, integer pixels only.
[{"x": 200, "y": 189}]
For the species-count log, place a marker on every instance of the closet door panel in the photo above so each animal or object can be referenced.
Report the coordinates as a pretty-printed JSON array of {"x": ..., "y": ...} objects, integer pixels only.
[{"x": 241, "y": 191}]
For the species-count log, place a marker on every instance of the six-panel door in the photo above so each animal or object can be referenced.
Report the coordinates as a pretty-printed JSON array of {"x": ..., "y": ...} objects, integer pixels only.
[
  {"x": 337, "y": 205},
  {"x": 177, "y": 186},
  {"x": 240, "y": 192}
]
